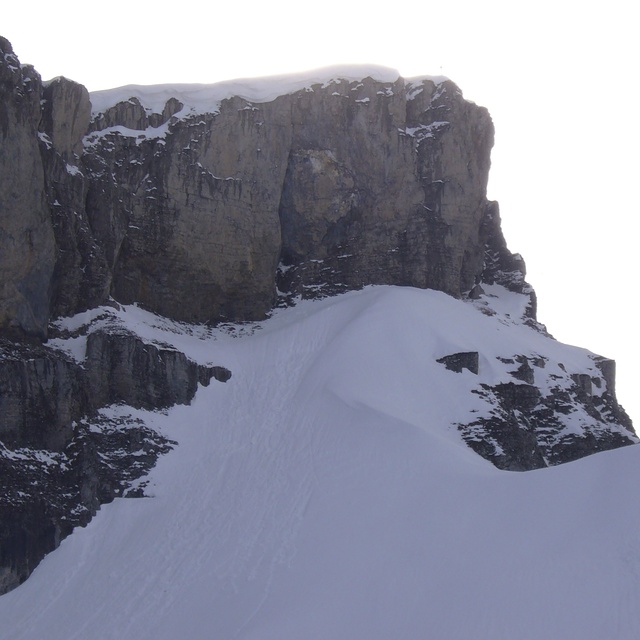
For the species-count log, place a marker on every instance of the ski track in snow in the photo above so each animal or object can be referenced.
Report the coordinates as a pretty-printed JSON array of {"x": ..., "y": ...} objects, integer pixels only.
[{"x": 322, "y": 493}]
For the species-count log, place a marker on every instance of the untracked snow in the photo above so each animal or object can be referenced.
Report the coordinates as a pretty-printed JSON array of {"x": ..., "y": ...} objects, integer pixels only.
[
  {"x": 203, "y": 98},
  {"x": 324, "y": 493},
  {"x": 206, "y": 98}
]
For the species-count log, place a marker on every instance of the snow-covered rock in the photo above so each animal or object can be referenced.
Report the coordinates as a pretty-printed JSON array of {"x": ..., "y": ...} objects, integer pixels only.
[{"x": 326, "y": 491}]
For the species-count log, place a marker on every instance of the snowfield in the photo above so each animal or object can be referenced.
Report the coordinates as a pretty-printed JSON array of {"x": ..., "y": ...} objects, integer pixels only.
[{"x": 324, "y": 493}]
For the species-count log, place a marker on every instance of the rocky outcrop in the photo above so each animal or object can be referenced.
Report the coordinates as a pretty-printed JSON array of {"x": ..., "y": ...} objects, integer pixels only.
[
  {"x": 66, "y": 113},
  {"x": 385, "y": 184},
  {"x": 459, "y": 361},
  {"x": 500, "y": 266},
  {"x": 578, "y": 414},
  {"x": 121, "y": 368},
  {"x": 42, "y": 392},
  {"x": 342, "y": 184},
  {"x": 208, "y": 213},
  {"x": 27, "y": 248},
  {"x": 45, "y": 494},
  {"x": 216, "y": 204},
  {"x": 60, "y": 456}
]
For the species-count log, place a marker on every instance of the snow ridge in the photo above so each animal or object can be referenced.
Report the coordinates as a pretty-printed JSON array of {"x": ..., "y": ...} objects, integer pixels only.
[
  {"x": 206, "y": 98},
  {"x": 324, "y": 492}
]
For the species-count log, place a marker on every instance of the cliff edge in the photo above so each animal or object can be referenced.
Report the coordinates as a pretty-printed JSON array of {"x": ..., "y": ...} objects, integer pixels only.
[{"x": 215, "y": 204}]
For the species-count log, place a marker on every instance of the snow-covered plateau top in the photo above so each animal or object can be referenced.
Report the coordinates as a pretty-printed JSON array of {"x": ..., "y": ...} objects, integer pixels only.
[{"x": 200, "y": 98}]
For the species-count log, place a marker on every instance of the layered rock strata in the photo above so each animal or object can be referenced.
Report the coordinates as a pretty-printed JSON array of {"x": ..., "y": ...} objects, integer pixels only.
[
  {"x": 217, "y": 203},
  {"x": 206, "y": 212},
  {"x": 61, "y": 454}
]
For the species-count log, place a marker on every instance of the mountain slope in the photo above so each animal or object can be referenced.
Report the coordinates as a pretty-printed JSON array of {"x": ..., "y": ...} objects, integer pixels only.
[{"x": 325, "y": 492}]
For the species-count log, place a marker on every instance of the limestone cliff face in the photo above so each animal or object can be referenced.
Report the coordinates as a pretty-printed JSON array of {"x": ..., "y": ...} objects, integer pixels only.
[
  {"x": 51, "y": 261},
  {"x": 217, "y": 203},
  {"x": 205, "y": 213},
  {"x": 386, "y": 184},
  {"x": 27, "y": 249},
  {"x": 194, "y": 231},
  {"x": 342, "y": 184}
]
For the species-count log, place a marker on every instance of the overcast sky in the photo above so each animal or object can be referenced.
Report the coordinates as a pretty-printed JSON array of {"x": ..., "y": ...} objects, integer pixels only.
[{"x": 559, "y": 79}]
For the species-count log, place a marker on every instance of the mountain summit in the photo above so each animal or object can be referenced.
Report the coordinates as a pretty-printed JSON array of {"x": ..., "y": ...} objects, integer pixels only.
[{"x": 309, "y": 267}]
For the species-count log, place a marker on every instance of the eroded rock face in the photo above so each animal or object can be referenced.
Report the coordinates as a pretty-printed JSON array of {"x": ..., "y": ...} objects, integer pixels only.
[
  {"x": 45, "y": 494},
  {"x": 27, "y": 246},
  {"x": 528, "y": 429},
  {"x": 42, "y": 392},
  {"x": 66, "y": 114},
  {"x": 343, "y": 184},
  {"x": 51, "y": 262},
  {"x": 122, "y": 368},
  {"x": 60, "y": 457},
  {"x": 202, "y": 234},
  {"x": 190, "y": 214},
  {"x": 215, "y": 214}
]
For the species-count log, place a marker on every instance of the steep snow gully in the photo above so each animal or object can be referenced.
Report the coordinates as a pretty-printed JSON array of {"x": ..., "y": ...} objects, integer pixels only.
[{"x": 325, "y": 492}]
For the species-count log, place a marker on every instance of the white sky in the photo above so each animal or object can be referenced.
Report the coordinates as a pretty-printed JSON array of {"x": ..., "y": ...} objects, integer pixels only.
[{"x": 559, "y": 78}]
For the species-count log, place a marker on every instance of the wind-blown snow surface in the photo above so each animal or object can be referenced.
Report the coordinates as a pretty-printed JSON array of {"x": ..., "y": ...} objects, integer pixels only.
[
  {"x": 203, "y": 98},
  {"x": 322, "y": 493}
]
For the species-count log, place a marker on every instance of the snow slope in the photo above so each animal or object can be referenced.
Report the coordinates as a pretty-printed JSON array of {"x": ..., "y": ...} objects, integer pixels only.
[{"x": 323, "y": 493}]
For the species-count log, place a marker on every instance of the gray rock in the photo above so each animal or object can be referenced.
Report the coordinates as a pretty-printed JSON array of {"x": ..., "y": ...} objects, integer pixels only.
[
  {"x": 60, "y": 460},
  {"x": 121, "y": 368},
  {"x": 323, "y": 190},
  {"x": 527, "y": 430},
  {"x": 66, "y": 113},
  {"x": 348, "y": 184},
  {"x": 42, "y": 392},
  {"x": 44, "y": 495},
  {"x": 524, "y": 372},
  {"x": 459, "y": 361},
  {"x": 27, "y": 247}
]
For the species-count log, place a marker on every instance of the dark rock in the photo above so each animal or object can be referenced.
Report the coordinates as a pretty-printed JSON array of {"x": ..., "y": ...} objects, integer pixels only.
[
  {"x": 524, "y": 372},
  {"x": 221, "y": 374},
  {"x": 66, "y": 113},
  {"x": 527, "y": 430},
  {"x": 500, "y": 265},
  {"x": 27, "y": 247},
  {"x": 81, "y": 277},
  {"x": 123, "y": 369},
  {"x": 459, "y": 361},
  {"x": 41, "y": 393},
  {"x": 44, "y": 495},
  {"x": 60, "y": 459}
]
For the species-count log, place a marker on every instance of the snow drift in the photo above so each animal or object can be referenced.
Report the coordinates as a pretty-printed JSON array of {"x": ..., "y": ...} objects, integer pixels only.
[{"x": 325, "y": 492}]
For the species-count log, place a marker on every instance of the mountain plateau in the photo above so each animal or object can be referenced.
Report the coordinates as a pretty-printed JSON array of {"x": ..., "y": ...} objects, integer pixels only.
[{"x": 216, "y": 206}]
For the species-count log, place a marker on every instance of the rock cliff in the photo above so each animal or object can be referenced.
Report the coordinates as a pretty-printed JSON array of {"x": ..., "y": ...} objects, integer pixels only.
[
  {"x": 203, "y": 205},
  {"x": 210, "y": 204}
]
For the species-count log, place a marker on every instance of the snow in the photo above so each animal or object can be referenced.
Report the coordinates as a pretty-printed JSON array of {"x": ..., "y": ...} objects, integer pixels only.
[
  {"x": 148, "y": 134},
  {"x": 205, "y": 98},
  {"x": 322, "y": 492},
  {"x": 73, "y": 170},
  {"x": 46, "y": 139}
]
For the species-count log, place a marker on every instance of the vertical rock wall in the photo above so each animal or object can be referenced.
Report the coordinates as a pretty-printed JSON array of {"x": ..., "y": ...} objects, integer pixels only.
[
  {"x": 191, "y": 213},
  {"x": 27, "y": 247}
]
